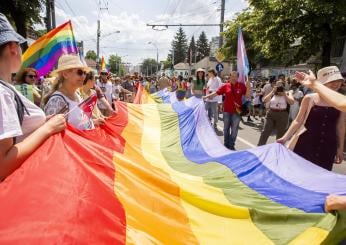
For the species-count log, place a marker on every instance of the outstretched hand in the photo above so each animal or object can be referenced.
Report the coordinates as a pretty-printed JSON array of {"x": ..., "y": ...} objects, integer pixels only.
[{"x": 307, "y": 79}]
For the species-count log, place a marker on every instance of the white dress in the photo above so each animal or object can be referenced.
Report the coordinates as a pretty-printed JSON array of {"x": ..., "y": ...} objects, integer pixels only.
[{"x": 76, "y": 117}]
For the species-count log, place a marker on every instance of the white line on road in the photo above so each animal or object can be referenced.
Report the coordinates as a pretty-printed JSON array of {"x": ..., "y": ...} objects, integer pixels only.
[{"x": 240, "y": 139}]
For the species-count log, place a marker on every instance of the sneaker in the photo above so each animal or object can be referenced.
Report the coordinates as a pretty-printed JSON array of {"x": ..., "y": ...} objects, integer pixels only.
[{"x": 232, "y": 148}]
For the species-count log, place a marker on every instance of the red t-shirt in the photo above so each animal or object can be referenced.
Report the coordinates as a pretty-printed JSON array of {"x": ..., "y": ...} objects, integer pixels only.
[{"x": 233, "y": 96}]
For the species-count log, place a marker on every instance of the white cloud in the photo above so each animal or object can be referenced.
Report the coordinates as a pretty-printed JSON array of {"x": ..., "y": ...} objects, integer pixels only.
[{"x": 134, "y": 34}]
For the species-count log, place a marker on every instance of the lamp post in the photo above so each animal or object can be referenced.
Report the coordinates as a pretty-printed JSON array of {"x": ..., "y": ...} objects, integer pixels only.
[{"x": 157, "y": 57}]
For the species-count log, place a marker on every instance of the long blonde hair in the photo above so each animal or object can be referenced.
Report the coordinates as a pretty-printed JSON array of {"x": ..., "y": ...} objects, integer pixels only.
[{"x": 56, "y": 85}]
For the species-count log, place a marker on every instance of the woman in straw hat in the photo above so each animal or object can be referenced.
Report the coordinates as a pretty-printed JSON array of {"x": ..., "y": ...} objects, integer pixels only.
[
  {"x": 317, "y": 133},
  {"x": 71, "y": 74},
  {"x": 23, "y": 125}
]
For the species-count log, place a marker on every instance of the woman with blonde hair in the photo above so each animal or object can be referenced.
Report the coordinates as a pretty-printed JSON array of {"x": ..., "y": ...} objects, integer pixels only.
[
  {"x": 71, "y": 73},
  {"x": 24, "y": 126},
  {"x": 317, "y": 133}
]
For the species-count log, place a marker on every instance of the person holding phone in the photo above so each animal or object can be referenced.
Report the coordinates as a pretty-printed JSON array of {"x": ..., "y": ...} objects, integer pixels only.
[
  {"x": 71, "y": 73},
  {"x": 24, "y": 127},
  {"x": 277, "y": 115}
]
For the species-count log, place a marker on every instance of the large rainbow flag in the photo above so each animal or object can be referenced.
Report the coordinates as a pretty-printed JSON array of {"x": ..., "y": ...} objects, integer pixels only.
[
  {"x": 44, "y": 53},
  {"x": 157, "y": 174}
]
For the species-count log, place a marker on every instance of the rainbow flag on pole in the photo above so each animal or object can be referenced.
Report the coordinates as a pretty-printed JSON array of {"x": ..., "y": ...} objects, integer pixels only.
[
  {"x": 156, "y": 173},
  {"x": 44, "y": 53},
  {"x": 243, "y": 66}
]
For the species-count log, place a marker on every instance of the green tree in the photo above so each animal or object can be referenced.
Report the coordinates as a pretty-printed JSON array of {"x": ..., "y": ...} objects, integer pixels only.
[
  {"x": 276, "y": 26},
  {"x": 115, "y": 65},
  {"x": 202, "y": 47},
  {"x": 149, "y": 66},
  {"x": 91, "y": 55},
  {"x": 191, "y": 54},
  {"x": 179, "y": 47},
  {"x": 23, "y": 13}
]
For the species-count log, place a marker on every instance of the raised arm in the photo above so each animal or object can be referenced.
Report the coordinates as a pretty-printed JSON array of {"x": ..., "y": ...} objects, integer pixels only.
[{"x": 333, "y": 98}]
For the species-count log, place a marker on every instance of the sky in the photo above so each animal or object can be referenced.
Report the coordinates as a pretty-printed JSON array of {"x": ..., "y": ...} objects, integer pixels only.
[{"x": 130, "y": 18}]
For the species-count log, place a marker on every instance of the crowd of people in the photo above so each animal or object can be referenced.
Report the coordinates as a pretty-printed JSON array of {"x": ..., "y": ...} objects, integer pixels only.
[{"x": 308, "y": 122}]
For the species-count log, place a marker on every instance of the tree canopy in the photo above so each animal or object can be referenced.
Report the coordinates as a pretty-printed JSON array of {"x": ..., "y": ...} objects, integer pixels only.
[
  {"x": 115, "y": 65},
  {"x": 149, "y": 66},
  {"x": 288, "y": 32},
  {"x": 202, "y": 49},
  {"x": 91, "y": 54},
  {"x": 179, "y": 47}
]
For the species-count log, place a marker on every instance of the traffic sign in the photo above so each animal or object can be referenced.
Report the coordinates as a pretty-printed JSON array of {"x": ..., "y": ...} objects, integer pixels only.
[
  {"x": 220, "y": 56},
  {"x": 219, "y": 67}
]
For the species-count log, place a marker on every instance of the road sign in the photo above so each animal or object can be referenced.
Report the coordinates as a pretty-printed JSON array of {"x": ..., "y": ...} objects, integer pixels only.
[
  {"x": 219, "y": 67},
  {"x": 219, "y": 56}
]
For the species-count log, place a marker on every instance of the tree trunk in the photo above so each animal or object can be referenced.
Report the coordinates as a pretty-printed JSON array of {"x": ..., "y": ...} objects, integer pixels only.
[{"x": 326, "y": 46}]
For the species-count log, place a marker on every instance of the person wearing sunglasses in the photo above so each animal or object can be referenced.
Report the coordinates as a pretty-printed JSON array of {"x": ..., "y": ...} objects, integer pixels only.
[
  {"x": 64, "y": 98},
  {"x": 23, "y": 127},
  {"x": 106, "y": 87},
  {"x": 25, "y": 84}
]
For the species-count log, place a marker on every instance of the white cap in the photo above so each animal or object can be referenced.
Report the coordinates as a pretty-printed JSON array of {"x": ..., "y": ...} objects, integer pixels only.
[{"x": 329, "y": 74}]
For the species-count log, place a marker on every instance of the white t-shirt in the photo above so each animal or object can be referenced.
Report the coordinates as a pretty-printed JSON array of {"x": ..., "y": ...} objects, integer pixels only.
[
  {"x": 212, "y": 86},
  {"x": 76, "y": 117},
  {"x": 256, "y": 99},
  {"x": 117, "y": 88},
  {"x": 9, "y": 121},
  {"x": 278, "y": 102},
  {"x": 107, "y": 89}
]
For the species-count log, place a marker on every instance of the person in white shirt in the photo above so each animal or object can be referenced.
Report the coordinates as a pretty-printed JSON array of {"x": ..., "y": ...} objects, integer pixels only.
[
  {"x": 212, "y": 104},
  {"x": 267, "y": 89},
  {"x": 297, "y": 96},
  {"x": 106, "y": 87},
  {"x": 277, "y": 116},
  {"x": 23, "y": 127}
]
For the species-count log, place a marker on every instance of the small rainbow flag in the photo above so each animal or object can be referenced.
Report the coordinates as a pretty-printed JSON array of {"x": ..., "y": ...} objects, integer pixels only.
[
  {"x": 103, "y": 63},
  {"x": 44, "y": 53}
]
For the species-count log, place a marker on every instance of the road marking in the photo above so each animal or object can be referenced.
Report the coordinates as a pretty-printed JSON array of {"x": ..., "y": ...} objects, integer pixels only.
[{"x": 240, "y": 139}]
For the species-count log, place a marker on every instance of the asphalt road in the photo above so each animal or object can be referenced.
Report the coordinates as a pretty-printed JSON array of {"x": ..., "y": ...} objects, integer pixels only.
[{"x": 249, "y": 134}]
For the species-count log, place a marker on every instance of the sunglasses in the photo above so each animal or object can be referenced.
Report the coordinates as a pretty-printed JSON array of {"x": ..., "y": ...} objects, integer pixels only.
[
  {"x": 31, "y": 76},
  {"x": 104, "y": 74},
  {"x": 81, "y": 72}
]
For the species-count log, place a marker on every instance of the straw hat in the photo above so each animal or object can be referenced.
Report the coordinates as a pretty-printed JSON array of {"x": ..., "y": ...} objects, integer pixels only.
[
  {"x": 68, "y": 61},
  {"x": 329, "y": 74}
]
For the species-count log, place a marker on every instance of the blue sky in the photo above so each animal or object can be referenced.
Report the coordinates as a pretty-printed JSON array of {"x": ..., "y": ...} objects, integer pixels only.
[{"x": 130, "y": 18}]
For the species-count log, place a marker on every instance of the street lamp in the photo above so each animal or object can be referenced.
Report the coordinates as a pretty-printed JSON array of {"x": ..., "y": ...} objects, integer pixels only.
[{"x": 157, "y": 57}]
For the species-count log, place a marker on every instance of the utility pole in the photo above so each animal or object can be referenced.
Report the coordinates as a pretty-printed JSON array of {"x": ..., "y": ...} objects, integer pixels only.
[
  {"x": 98, "y": 45},
  {"x": 48, "y": 16},
  {"x": 222, "y": 19},
  {"x": 99, "y": 35},
  {"x": 53, "y": 13}
]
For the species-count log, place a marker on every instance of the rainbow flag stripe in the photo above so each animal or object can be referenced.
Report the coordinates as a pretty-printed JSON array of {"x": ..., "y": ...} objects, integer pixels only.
[
  {"x": 44, "y": 53},
  {"x": 156, "y": 173}
]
